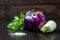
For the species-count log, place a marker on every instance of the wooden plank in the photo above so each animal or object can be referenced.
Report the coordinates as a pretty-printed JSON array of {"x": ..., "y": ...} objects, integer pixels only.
[
  {"x": 29, "y": 2},
  {"x": 49, "y": 10},
  {"x": 2, "y": 15},
  {"x": 46, "y": 8}
]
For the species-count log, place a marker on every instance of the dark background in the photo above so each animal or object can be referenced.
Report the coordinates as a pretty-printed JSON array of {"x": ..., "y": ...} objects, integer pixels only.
[{"x": 10, "y": 8}]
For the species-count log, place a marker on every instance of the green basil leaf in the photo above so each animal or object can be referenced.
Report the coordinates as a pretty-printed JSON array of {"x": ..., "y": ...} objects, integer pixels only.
[{"x": 17, "y": 23}]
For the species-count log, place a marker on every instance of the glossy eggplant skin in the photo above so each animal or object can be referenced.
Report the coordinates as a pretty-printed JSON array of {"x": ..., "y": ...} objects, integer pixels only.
[{"x": 34, "y": 22}]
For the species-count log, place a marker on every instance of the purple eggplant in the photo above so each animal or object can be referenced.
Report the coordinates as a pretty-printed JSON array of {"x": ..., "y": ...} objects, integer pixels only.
[{"x": 34, "y": 20}]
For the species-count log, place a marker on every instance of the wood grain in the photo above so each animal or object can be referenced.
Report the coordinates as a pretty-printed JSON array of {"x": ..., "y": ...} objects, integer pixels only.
[
  {"x": 10, "y": 8},
  {"x": 29, "y": 2},
  {"x": 49, "y": 11}
]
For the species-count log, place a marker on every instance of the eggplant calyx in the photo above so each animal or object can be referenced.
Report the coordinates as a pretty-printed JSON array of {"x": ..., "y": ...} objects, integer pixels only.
[
  {"x": 29, "y": 12},
  {"x": 45, "y": 29}
]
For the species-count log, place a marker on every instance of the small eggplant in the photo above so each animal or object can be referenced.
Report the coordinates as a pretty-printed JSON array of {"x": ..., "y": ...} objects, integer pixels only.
[{"x": 50, "y": 26}]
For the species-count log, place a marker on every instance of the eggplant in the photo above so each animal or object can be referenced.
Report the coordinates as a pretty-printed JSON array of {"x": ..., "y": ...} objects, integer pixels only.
[{"x": 34, "y": 20}]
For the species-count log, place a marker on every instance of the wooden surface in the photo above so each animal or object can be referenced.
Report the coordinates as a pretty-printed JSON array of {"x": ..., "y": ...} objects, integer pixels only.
[
  {"x": 27, "y": 35},
  {"x": 10, "y": 8},
  {"x": 28, "y": 2}
]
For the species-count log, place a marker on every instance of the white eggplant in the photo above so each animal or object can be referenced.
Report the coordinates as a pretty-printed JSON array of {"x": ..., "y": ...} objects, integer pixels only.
[{"x": 49, "y": 26}]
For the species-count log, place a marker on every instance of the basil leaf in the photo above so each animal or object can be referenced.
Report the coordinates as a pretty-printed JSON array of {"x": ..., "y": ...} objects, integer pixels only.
[{"x": 17, "y": 23}]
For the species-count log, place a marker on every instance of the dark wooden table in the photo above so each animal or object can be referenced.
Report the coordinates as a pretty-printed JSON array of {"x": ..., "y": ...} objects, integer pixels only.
[{"x": 26, "y": 35}]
